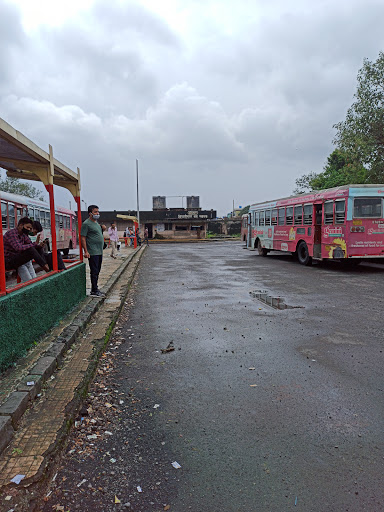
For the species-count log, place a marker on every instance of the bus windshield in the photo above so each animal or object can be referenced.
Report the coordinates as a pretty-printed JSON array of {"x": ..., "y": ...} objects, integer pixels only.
[{"x": 367, "y": 207}]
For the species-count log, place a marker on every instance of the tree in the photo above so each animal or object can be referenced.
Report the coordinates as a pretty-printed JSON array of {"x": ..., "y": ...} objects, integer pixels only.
[
  {"x": 244, "y": 210},
  {"x": 304, "y": 183},
  {"x": 340, "y": 169},
  {"x": 362, "y": 133},
  {"x": 15, "y": 186}
]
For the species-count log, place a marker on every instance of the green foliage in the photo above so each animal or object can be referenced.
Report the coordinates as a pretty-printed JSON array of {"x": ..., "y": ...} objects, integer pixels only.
[
  {"x": 362, "y": 133},
  {"x": 304, "y": 183},
  {"x": 244, "y": 210},
  {"x": 340, "y": 169},
  {"x": 15, "y": 186}
]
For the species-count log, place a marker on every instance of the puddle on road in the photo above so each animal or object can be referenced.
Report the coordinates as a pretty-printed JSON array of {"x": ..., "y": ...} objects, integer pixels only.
[{"x": 274, "y": 302}]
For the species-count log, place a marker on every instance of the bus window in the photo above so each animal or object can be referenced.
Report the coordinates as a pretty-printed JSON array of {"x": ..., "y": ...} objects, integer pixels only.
[
  {"x": 257, "y": 219},
  {"x": 367, "y": 207},
  {"x": 11, "y": 214},
  {"x": 4, "y": 216},
  {"x": 299, "y": 214},
  {"x": 340, "y": 211},
  {"x": 261, "y": 218},
  {"x": 281, "y": 216},
  {"x": 57, "y": 221},
  {"x": 37, "y": 215},
  {"x": 274, "y": 217},
  {"x": 267, "y": 217},
  {"x": 328, "y": 212},
  {"x": 308, "y": 209},
  {"x": 31, "y": 212},
  {"x": 47, "y": 220},
  {"x": 289, "y": 215},
  {"x": 19, "y": 214},
  {"x": 60, "y": 221}
]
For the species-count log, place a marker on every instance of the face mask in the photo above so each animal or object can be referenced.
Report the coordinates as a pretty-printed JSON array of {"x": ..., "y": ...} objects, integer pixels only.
[
  {"x": 26, "y": 231},
  {"x": 96, "y": 216}
]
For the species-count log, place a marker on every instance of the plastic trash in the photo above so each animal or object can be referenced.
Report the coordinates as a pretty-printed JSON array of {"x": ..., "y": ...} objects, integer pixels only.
[
  {"x": 17, "y": 479},
  {"x": 176, "y": 465}
]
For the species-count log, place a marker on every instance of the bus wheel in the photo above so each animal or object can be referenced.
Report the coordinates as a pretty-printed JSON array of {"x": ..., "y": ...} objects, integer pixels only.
[
  {"x": 303, "y": 254},
  {"x": 262, "y": 251}
]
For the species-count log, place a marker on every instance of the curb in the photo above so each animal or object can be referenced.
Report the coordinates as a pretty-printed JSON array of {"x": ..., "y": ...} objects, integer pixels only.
[{"x": 13, "y": 408}]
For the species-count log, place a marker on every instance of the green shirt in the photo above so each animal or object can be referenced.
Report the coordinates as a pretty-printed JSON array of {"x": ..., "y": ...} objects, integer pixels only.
[{"x": 94, "y": 237}]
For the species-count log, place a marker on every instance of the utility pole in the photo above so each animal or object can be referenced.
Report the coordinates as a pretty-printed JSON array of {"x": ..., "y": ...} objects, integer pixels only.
[{"x": 137, "y": 190}]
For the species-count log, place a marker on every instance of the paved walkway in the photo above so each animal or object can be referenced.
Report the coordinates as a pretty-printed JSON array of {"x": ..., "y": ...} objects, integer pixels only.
[{"x": 46, "y": 423}]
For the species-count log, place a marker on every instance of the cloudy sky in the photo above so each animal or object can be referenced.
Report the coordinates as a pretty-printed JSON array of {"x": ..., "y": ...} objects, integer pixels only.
[{"x": 229, "y": 100}]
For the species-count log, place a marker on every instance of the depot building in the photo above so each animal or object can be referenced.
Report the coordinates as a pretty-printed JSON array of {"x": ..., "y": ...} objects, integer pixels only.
[{"x": 162, "y": 222}]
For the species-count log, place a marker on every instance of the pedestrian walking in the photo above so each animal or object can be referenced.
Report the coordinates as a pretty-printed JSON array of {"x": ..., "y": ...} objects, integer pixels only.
[
  {"x": 146, "y": 236},
  {"x": 92, "y": 242},
  {"x": 113, "y": 238},
  {"x": 138, "y": 237}
]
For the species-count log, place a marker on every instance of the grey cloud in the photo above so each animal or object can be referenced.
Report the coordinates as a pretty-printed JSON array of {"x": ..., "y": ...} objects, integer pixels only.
[
  {"x": 132, "y": 17},
  {"x": 12, "y": 40}
]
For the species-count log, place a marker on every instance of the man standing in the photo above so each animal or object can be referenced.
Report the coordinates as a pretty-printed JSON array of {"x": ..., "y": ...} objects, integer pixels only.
[
  {"x": 92, "y": 242},
  {"x": 19, "y": 249},
  {"x": 114, "y": 238}
]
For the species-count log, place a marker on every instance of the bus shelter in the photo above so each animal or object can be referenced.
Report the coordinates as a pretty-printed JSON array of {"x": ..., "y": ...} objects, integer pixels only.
[
  {"x": 21, "y": 158},
  {"x": 135, "y": 223},
  {"x": 30, "y": 309}
]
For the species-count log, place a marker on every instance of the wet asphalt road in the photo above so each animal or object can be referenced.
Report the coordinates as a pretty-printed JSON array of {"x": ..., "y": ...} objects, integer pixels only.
[{"x": 264, "y": 410}]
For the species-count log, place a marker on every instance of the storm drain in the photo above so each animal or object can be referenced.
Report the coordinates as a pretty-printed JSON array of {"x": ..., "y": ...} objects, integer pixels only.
[{"x": 274, "y": 302}]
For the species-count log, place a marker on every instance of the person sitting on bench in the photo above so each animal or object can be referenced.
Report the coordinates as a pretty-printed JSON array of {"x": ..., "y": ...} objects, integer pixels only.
[
  {"x": 37, "y": 230},
  {"x": 19, "y": 249}
]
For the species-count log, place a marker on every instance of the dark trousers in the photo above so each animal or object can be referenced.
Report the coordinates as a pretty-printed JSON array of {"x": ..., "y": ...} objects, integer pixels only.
[
  {"x": 95, "y": 266},
  {"x": 19, "y": 259},
  {"x": 60, "y": 262}
]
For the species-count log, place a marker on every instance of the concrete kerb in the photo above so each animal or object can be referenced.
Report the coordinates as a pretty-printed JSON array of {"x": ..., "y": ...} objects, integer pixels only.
[
  {"x": 13, "y": 408},
  {"x": 81, "y": 391}
]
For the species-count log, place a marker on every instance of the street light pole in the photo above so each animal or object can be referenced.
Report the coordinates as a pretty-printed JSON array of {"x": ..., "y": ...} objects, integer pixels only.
[{"x": 137, "y": 192}]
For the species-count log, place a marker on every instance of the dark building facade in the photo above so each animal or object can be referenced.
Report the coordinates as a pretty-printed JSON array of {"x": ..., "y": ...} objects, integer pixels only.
[{"x": 167, "y": 223}]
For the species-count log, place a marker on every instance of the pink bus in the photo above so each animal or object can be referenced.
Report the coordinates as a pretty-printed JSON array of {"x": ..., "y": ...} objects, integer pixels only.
[{"x": 342, "y": 223}]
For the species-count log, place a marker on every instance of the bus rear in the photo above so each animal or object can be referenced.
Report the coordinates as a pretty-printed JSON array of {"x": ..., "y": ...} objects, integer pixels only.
[{"x": 365, "y": 222}]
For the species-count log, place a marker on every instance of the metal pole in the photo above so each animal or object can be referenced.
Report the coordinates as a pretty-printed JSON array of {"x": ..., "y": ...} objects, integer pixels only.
[
  {"x": 3, "y": 285},
  {"x": 52, "y": 210},
  {"x": 137, "y": 187},
  {"x": 78, "y": 203}
]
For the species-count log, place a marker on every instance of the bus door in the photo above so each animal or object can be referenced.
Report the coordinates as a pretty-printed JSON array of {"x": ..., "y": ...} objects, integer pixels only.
[
  {"x": 249, "y": 233},
  {"x": 317, "y": 235}
]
